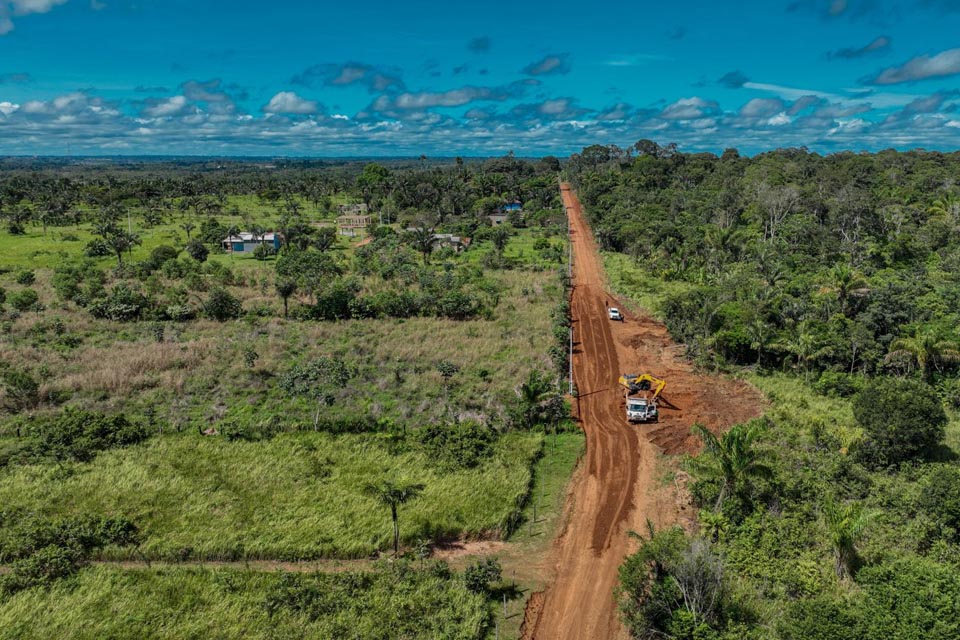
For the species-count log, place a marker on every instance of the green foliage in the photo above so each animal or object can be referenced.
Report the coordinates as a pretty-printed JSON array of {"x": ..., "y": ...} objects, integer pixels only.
[
  {"x": 26, "y": 277},
  {"x": 24, "y": 300},
  {"x": 940, "y": 498},
  {"x": 309, "y": 269},
  {"x": 21, "y": 390},
  {"x": 846, "y": 523},
  {"x": 318, "y": 378},
  {"x": 378, "y": 605},
  {"x": 392, "y": 494},
  {"x": 464, "y": 445},
  {"x": 903, "y": 419},
  {"x": 839, "y": 384},
  {"x": 78, "y": 435},
  {"x": 221, "y": 305},
  {"x": 674, "y": 586},
  {"x": 730, "y": 463},
  {"x": 122, "y": 303},
  {"x": 41, "y": 552},
  {"x": 264, "y": 251},
  {"x": 536, "y": 401},
  {"x": 314, "y": 507},
  {"x": 160, "y": 255},
  {"x": 480, "y": 576},
  {"x": 909, "y": 599},
  {"x": 97, "y": 248},
  {"x": 197, "y": 250}
]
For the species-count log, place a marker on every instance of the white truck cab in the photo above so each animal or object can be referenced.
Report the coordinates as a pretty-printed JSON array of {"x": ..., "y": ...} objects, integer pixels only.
[
  {"x": 641, "y": 410},
  {"x": 615, "y": 314}
]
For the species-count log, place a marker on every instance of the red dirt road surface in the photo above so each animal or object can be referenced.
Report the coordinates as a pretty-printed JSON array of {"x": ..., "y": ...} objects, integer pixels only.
[{"x": 616, "y": 489}]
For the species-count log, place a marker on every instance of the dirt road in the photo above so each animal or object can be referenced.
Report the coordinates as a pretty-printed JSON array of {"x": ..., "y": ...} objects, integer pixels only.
[{"x": 616, "y": 489}]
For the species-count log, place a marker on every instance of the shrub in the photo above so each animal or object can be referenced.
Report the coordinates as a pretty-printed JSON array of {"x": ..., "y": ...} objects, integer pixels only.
[
  {"x": 25, "y": 300},
  {"x": 97, "y": 248},
  {"x": 838, "y": 384},
  {"x": 22, "y": 391},
  {"x": 160, "y": 255},
  {"x": 197, "y": 250},
  {"x": 480, "y": 576},
  {"x": 264, "y": 251},
  {"x": 940, "y": 497},
  {"x": 79, "y": 435},
  {"x": 42, "y": 551},
  {"x": 26, "y": 277},
  {"x": 903, "y": 420},
  {"x": 179, "y": 312},
  {"x": 3, "y": 295},
  {"x": 221, "y": 305},
  {"x": 122, "y": 304},
  {"x": 461, "y": 446}
]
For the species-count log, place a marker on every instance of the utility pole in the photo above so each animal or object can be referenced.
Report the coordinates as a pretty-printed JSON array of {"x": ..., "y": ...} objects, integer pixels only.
[{"x": 570, "y": 280}]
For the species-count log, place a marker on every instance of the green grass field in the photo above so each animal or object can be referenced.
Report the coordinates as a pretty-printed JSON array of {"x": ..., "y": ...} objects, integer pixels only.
[
  {"x": 299, "y": 496},
  {"x": 109, "y": 603}
]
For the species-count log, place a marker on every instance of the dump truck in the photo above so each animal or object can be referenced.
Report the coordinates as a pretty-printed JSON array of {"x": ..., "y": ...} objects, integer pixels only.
[{"x": 640, "y": 396}]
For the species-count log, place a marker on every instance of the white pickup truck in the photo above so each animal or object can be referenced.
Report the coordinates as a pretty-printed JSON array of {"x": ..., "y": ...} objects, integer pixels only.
[{"x": 615, "y": 314}]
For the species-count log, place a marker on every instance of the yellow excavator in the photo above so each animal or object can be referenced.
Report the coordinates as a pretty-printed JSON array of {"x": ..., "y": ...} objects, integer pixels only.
[{"x": 642, "y": 391}]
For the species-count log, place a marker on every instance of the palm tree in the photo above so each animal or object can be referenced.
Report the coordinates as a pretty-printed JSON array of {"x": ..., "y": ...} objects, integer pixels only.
[
  {"x": 232, "y": 231},
  {"x": 759, "y": 333},
  {"x": 532, "y": 394},
  {"x": 500, "y": 237},
  {"x": 285, "y": 289},
  {"x": 845, "y": 526},
  {"x": 188, "y": 227},
  {"x": 926, "y": 351},
  {"x": 393, "y": 495},
  {"x": 731, "y": 459},
  {"x": 948, "y": 206},
  {"x": 805, "y": 348},
  {"x": 424, "y": 239},
  {"x": 846, "y": 283}
]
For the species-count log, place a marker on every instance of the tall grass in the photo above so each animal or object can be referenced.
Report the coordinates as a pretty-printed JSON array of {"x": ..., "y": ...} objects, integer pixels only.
[
  {"x": 198, "y": 375},
  {"x": 105, "y": 603},
  {"x": 298, "y": 496}
]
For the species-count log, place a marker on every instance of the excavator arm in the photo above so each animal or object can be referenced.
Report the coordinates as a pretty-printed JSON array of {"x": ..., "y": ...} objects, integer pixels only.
[{"x": 643, "y": 382}]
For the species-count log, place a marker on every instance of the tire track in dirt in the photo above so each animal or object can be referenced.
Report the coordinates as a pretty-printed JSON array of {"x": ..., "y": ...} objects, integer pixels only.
[{"x": 619, "y": 492}]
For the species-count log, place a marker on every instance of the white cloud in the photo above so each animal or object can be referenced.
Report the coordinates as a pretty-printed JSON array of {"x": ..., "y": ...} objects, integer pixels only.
[
  {"x": 165, "y": 107},
  {"x": 779, "y": 120},
  {"x": 688, "y": 109},
  {"x": 945, "y": 63},
  {"x": 23, "y": 8},
  {"x": 762, "y": 108},
  {"x": 290, "y": 103},
  {"x": 6, "y": 108}
]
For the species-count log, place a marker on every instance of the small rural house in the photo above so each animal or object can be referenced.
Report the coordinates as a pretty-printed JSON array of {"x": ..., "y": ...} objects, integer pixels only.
[
  {"x": 497, "y": 219},
  {"x": 352, "y": 224},
  {"x": 358, "y": 209},
  {"x": 246, "y": 242},
  {"x": 457, "y": 243},
  {"x": 441, "y": 240}
]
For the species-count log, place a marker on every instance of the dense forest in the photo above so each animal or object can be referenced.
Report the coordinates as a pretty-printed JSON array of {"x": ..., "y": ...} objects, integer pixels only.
[{"x": 831, "y": 283}]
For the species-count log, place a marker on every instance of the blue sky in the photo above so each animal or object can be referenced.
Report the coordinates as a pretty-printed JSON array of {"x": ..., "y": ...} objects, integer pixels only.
[{"x": 221, "y": 77}]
